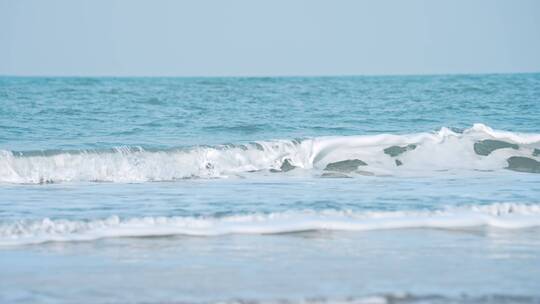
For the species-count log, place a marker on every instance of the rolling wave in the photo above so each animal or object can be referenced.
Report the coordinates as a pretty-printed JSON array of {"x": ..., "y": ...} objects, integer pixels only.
[
  {"x": 476, "y": 148},
  {"x": 500, "y": 215}
]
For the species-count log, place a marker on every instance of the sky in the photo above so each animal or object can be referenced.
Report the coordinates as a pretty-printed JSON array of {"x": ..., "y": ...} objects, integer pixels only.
[{"x": 267, "y": 38}]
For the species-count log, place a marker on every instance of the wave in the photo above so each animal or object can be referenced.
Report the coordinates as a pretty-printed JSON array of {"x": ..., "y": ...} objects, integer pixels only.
[
  {"x": 500, "y": 215},
  {"x": 476, "y": 148}
]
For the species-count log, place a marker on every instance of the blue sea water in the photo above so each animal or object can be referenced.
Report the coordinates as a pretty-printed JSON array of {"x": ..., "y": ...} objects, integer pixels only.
[{"x": 389, "y": 189}]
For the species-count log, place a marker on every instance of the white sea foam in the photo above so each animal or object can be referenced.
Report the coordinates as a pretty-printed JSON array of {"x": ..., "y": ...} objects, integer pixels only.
[
  {"x": 500, "y": 215},
  {"x": 434, "y": 152},
  {"x": 518, "y": 138}
]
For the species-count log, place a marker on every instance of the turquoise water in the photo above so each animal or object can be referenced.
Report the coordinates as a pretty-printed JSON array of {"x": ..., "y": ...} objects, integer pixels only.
[
  {"x": 76, "y": 113},
  {"x": 402, "y": 189}
]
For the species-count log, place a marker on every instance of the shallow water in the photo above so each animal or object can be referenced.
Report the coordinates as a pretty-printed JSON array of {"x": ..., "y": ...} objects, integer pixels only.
[
  {"x": 407, "y": 189},
  {"x": 327, "y": 265}
]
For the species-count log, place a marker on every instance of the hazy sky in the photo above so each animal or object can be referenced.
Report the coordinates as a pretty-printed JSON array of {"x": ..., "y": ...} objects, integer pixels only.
[{"x": 273, "y": 37}]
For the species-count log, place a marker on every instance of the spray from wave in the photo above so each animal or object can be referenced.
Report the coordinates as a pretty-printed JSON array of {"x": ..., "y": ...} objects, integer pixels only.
[
  {"x": 501, "y": 215},
  {"x": 477, "y": 148}
]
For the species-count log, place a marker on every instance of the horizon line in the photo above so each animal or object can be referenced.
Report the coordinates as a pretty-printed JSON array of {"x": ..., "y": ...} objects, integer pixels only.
[{"x": 267, "y": 76}]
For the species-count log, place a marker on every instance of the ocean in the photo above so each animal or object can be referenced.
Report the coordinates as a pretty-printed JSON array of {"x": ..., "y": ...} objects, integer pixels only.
[{"x": 368, "y": 189}]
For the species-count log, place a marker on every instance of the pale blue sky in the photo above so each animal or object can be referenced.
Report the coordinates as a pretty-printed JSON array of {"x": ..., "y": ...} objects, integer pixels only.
[{"x": 278, "y": 37}]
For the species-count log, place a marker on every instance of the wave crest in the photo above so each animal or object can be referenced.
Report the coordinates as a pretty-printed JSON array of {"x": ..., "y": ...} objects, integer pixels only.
[{"x": 477, "y": 148}]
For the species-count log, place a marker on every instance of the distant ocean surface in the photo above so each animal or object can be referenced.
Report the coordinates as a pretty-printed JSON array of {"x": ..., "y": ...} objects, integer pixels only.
[{"x": 390, "y": 189}]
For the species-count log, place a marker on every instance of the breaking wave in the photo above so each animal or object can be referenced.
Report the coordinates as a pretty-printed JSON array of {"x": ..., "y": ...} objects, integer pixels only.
[
  {"x": 500, "y": 215},
  {"x": 476, "y": 148}
]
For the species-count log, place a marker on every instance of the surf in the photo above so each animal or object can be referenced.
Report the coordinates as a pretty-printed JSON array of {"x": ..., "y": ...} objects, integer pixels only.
[
  {"x": 498, "y": 215},
  {"x": 479, "y": 148}
]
